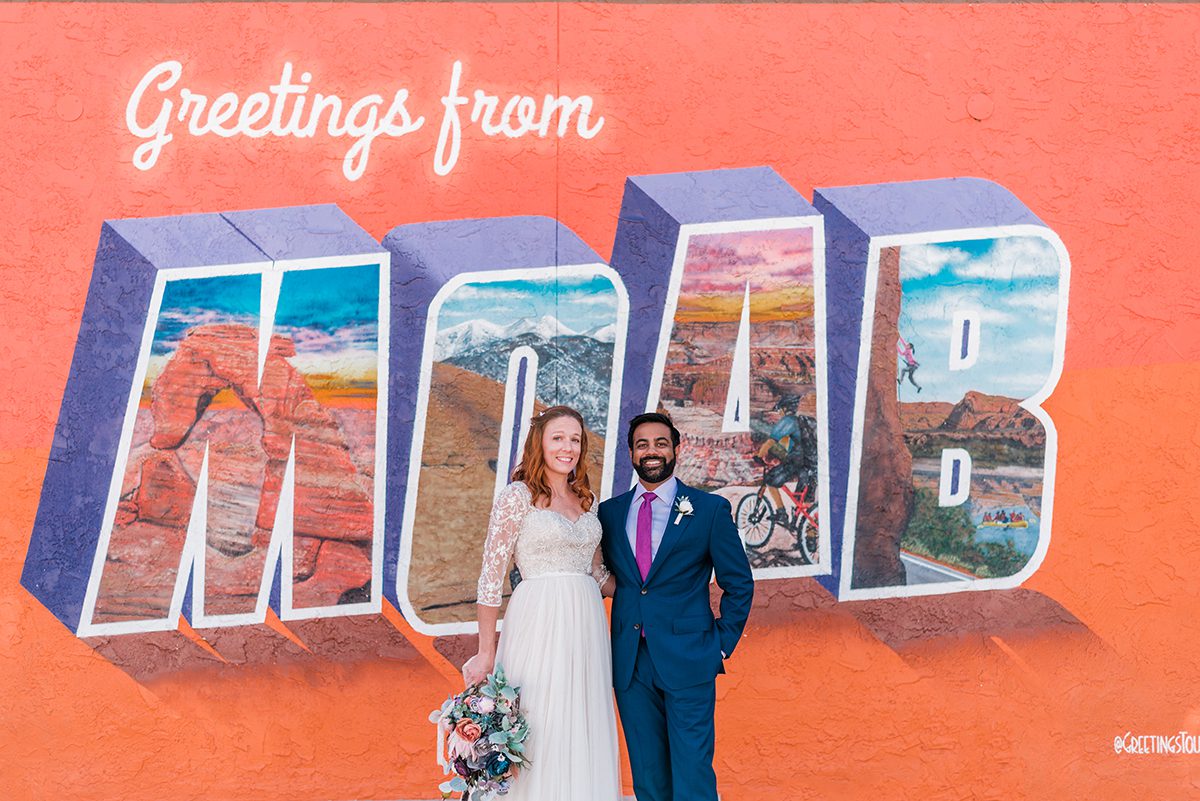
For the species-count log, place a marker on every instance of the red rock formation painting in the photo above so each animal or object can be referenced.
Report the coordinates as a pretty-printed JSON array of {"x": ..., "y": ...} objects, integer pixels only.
[
  {"x": 885, "y": 498},
  {"x": 209, "y": 396},
  {"x": 699, "y": 360},
  {"x": 994, "y": 428},
  {"x": 994, "y": 415},
  {"x": 458, "y": 473}
]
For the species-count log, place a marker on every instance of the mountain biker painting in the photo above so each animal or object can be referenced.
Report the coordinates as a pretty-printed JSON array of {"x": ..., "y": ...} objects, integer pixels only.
[{"x": 793, "y": 441}]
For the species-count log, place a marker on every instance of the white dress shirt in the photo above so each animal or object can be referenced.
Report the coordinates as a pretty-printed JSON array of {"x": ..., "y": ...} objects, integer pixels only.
[{"x": 660, "y": 508}]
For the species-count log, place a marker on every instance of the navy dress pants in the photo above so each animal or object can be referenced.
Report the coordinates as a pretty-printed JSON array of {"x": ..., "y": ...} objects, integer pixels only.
[{"x": 669, "y": 734}]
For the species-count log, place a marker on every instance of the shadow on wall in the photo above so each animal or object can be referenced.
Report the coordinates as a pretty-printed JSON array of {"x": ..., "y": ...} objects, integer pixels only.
[
  {"x": 913, "y": 626},
  {"x": 301, "y": 643},
  {"x": 910, "y": 627}
]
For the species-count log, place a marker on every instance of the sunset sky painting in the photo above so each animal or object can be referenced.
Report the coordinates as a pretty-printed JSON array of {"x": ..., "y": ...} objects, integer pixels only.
[{"x": 777, "y": 265}]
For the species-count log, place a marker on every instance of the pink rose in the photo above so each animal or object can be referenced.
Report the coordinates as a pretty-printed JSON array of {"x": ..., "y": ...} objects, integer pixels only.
[
  {"x": 486, "y": 705},
  {"x": 468, "y": 730}
]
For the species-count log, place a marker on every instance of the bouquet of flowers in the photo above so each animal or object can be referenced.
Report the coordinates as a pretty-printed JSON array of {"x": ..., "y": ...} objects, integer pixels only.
[{"x": 481, "y": 738}]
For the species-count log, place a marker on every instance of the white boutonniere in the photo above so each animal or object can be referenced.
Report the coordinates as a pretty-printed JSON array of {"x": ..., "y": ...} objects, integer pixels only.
[{"x": 683, "y": 508}]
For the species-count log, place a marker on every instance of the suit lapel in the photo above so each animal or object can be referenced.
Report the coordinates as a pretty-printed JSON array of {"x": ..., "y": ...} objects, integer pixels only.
[
  {"x": 621, "y": 534},
  {"x": 673, "y": 532}
]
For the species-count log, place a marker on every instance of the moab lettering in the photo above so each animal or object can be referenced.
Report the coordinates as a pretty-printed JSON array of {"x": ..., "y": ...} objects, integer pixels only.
[{"x": 272, "y": 409}]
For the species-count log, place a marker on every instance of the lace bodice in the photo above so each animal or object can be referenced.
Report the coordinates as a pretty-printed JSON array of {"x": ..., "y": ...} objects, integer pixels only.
[{"x": 543, "y": 540}]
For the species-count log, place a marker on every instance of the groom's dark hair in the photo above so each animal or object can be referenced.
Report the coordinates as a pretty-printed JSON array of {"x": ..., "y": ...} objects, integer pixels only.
[{"x": 653, "y": 417}]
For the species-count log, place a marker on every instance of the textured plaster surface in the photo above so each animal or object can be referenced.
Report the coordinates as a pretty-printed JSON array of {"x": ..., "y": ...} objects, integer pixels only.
[{"x": 1086, "y": 112}]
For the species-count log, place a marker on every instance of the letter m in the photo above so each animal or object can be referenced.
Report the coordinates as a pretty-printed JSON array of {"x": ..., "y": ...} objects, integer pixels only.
[{"x": 219, "y": 444}]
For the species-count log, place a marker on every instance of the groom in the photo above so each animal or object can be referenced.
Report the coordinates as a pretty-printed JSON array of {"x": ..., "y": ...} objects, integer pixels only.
[{"x": 662, "y": 541}]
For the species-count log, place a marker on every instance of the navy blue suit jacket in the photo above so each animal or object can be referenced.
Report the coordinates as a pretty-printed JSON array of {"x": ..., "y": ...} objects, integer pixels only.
[{"x": 672, "y": 605}]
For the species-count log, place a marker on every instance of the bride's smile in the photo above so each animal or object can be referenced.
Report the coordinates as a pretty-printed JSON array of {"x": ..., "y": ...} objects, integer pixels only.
[{"x": 561, "y": 445}]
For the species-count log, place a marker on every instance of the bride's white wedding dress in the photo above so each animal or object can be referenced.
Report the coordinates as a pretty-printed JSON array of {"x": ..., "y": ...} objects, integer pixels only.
[{"x": 554, "y": 645}]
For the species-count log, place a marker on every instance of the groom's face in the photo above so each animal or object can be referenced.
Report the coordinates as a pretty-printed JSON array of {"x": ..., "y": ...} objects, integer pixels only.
[{"x": 653, "y": 453}]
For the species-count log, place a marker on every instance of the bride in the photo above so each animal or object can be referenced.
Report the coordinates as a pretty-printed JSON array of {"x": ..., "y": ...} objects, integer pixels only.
[{"x": 555, "y": 644}]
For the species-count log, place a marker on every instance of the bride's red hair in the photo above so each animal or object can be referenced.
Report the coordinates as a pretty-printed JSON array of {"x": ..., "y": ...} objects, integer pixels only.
[{"x": 532, "y": 469}]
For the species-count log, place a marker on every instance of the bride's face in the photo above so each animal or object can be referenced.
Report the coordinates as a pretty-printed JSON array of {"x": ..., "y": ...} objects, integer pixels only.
[{"x": 560, "y": 444}]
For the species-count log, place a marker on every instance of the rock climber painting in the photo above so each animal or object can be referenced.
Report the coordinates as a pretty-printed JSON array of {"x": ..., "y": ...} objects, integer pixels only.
[{"x": 979, "y": 318}]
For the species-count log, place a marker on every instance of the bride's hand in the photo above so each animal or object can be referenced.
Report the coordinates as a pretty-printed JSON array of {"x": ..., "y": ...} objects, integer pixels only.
[{"x": 477, "y": 668}]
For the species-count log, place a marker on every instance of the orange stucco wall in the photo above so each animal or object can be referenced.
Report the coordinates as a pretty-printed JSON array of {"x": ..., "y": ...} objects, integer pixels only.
[{"x": 1087, "y": 112}]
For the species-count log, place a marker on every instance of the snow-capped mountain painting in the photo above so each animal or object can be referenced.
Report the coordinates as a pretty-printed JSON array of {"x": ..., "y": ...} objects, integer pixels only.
[
  {"x": 464, "y": 336},
  {"x": 481, "y": 324},
  {"x": 546, "y": 327},
  {"x": 473, "y": 334},
  {"x": 605, "y": 333},
  {"x": 574, "y": 370}
]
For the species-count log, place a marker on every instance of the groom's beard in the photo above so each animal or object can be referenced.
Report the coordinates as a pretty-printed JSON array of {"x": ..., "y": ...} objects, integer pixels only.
[{"x": 655, "y": 474}]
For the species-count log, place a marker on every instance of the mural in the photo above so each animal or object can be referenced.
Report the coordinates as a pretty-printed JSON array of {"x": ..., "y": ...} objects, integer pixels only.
[
  {"x": 503, "y": 350},
  {"x": 254, "y": 438},
  {"x": 740, "y": 358},
  {"x": 215, "y": 412},
  {"x": 1002, "y": 292},
  {"x": 247, "y": 455},
  {"x": 498, "y": 319},
  {"x": 950, "y": 463},
  {"x": 977, "y": 323},
  {"x": 249, "y": 444},
  {"x": 764, "y": 439}
]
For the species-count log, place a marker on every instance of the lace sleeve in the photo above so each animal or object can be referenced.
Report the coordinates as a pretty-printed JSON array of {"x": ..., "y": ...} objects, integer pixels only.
[
  {"x": 599, "y": 569},
  {"x": 503, "y": 527}
]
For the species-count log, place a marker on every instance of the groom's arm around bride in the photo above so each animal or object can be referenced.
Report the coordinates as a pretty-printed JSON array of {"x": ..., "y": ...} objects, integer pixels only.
[{"x": 663, "y": 540}]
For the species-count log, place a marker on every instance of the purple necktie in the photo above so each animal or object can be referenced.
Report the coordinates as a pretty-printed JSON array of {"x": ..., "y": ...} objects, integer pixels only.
[{"x": 645, "y": 526}]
